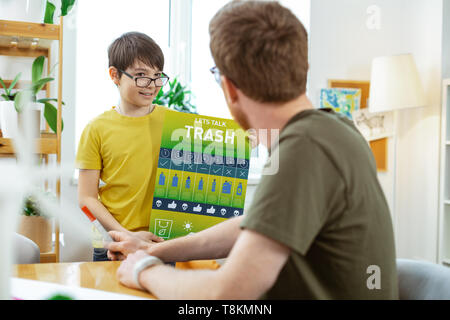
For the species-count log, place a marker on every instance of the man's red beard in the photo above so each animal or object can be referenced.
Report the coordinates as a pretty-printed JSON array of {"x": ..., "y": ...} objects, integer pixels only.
[{"x": 240, "y": 118}]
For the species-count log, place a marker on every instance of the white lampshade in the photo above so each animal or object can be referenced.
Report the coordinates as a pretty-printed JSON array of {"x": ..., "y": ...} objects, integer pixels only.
[{"x": 395, "y": 84}]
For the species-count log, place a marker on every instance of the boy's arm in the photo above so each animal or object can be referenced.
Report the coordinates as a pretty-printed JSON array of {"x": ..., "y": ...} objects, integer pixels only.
[{"x": 88, "y": 196}]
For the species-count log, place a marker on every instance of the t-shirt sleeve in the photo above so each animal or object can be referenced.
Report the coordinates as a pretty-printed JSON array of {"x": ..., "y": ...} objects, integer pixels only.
[
  {"x": 88, "y": 154},
  {"x": 292, "y": 205}
]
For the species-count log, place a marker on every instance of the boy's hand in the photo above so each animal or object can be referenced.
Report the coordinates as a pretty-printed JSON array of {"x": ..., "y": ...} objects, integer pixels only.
[
  {"x": 124, "y": 244},
  {"x": 147, "y": 236}
]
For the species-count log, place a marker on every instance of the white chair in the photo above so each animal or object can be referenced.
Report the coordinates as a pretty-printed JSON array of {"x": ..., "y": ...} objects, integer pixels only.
[
  {"x": 25, "y": 250},
  {"x": 419, "y": 280}
]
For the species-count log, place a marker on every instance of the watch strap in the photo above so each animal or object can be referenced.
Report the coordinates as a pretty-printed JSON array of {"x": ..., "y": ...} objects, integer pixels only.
[{"x": 143, "y": 264}]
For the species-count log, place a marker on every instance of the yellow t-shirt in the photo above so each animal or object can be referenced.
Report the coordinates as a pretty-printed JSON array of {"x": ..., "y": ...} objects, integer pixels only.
[{"x": 126, "y": 151}]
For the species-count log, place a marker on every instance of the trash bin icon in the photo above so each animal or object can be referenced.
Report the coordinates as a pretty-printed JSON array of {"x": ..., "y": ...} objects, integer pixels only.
[{"x": 163, "y": 227}]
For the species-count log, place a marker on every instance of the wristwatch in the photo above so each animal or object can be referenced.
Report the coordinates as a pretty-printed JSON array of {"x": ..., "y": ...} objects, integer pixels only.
[{"x": 143, "y": 264}]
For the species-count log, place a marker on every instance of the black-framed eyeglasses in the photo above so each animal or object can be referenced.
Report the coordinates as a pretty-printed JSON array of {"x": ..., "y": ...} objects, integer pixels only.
[
  {"x": 216, "y": 73},
  {"x": 144, "y": 82}
]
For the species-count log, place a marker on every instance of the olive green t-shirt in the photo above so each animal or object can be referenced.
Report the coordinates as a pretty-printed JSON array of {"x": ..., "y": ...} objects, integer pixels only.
[{"x": 325, "y": 203}]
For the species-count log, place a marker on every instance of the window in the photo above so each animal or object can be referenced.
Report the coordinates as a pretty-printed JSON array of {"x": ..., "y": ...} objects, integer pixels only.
[
  {"x": 99, "y": 22},
  {"x": 208, "y": 95}
]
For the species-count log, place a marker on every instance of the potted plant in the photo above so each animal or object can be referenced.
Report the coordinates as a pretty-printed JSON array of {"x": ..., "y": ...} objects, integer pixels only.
[
  {"x": 35, "y": 225},
  {"x": 177, "y": 97},
  {"x": 15, "y": 103},
  {"x": 8, "y": 97}
]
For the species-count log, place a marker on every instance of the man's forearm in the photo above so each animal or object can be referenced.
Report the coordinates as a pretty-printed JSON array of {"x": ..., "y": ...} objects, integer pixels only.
[
  {"x": 212, "y": 243},
  {"x": 260, "y": 256},
  {"x": 170, "y": 283}
]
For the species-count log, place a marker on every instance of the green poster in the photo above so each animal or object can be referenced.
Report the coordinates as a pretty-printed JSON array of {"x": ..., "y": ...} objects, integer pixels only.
[{"x": 202, "y": 174}]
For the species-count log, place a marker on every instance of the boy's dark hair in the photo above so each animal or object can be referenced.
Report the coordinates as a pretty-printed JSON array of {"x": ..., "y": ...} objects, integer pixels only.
[
  {"x": 130, "y": 46},
  {"x": 262, "y": 48}
]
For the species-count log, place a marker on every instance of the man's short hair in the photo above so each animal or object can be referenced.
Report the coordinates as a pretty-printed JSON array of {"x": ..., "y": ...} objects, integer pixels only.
[
  {"x": 124, "y": 51},
  {"x": 262, "y": 48}
]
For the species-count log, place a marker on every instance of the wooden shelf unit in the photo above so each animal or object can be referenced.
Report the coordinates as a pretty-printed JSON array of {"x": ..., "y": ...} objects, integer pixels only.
[
  {"x": 45, "y": 146},
  {"x": 26, "y": 39},
  {"x": 19, "y": 29}
]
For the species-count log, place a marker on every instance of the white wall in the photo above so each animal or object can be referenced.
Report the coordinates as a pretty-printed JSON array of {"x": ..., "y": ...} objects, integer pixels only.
[{"x": 342, "y": 47}]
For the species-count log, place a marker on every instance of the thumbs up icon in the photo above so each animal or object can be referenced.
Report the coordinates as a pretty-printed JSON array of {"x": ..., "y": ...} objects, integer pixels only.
[
  {"x": 211, "y": 210},
  {"x": 172, "y": 205},
  {"x": 197, "y": 208}
]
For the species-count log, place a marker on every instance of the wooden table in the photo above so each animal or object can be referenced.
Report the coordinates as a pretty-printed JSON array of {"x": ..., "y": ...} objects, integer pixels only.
[{"x": 93, "y": 275}]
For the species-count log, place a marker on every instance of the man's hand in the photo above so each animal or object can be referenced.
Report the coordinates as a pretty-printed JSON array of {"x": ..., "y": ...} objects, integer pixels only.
[
  {"x": 125, "y": 271},
  {"x": 147, "y": 236},
  {"x": 126, "y": 243}
]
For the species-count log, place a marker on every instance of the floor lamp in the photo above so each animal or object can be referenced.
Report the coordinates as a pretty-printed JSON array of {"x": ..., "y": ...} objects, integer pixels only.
[{"x": 394, "y": 85}]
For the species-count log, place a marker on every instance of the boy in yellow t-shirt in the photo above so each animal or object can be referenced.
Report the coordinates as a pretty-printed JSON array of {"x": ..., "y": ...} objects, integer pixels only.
[{"x": 121, "y": 146}]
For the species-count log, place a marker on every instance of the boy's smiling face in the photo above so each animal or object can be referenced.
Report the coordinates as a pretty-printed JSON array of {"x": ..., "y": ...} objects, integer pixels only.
[{"x": 135, "y": 96}]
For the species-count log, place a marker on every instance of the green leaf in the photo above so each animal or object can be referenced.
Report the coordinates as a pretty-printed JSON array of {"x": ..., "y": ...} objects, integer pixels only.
[
  {"x": 178, "y": 97},
  {"x": 158, "y": 99},
  {"x": 49, "y": 12},
  {"x": 173, "y": 83},
  {"x": 37, "y": 69},
  {"x": 6, "y": 97},
  {"x": 43, "y": 100},
  {"x": 4, "y": 85},
  {"x": 21, "y": 99},
  {"x": 38, "y": 85},
  {"x": 66, "y": 6},
  {"x": 14, "y": 81},
  {"x": 27, "y": 211},
  {"x": 51, "y": 116},
  {"x": 52, "y": 70}
]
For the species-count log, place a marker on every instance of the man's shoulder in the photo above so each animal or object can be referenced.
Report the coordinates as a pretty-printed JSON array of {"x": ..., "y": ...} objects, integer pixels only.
[
  {"x": 324, "y": 128},
  {"x": 317, "y": 119}
]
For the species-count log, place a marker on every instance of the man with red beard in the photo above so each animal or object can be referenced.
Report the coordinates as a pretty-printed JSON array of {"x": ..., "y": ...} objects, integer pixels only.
[{"x": 318, "y": 228}]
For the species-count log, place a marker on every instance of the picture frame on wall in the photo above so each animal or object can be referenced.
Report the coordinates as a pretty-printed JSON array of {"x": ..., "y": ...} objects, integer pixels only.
[
  {"x": 354, "y": 84},
  {"x": 376, "y": 128},
  {"x": 342, "y": 100}
]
